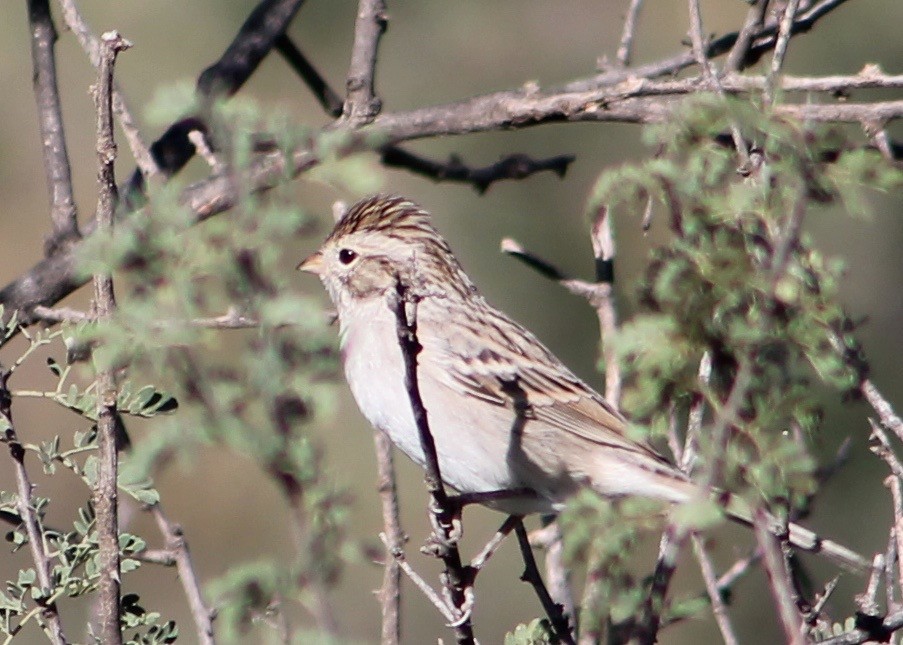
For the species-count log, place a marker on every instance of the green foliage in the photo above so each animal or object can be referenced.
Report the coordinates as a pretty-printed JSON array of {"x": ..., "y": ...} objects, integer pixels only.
[
  {"x": 742, "y": 283},
  {"x": 536, "y": 632},
  {"x": 253, "y": 389}
]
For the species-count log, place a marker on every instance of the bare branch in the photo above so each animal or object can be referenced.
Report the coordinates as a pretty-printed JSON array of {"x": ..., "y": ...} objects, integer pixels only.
[
  {"x": 176, "y": 548},
  {"x": 778, "y": 579},
  {"x": 630, "y": 23},
  {"x": 361, "y": 103},
  {"x": 421, "y": 584},
  {"x": 105, "y": 494},
  {"x": 780, "y": 49},
  {"x": 29, "y": 517},
  {"x": 92, "y": 46},
  {"x": 553, "y": 610},
  {"x": 719, "y": 610},
  {"x": 390, "y": 593},
  {"x": 882, "y": 407},
  {"x": 329, "y": 100},
  {"x": 63, "y": 212},
  {"x": 736, "y": 59},
  {"x": 513, "y": 166}
]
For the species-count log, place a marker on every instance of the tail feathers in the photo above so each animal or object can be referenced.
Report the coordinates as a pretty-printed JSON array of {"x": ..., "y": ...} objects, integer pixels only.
[{"x": 799, "y": 536}]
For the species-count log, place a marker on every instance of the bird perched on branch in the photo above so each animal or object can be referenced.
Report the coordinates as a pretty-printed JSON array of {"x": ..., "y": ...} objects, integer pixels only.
[{"x": 511, "y": 424}]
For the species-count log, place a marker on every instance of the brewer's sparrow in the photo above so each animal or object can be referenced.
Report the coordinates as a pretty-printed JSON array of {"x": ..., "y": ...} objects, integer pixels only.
[{"x": 505, "y": 413}]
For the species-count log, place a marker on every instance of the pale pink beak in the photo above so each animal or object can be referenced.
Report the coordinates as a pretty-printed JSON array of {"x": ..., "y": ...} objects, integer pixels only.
[{"x": 313, "y": 264}]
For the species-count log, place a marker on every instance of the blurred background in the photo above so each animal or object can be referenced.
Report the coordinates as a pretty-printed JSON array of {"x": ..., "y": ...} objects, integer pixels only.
[{"x": 436, "y": 52}]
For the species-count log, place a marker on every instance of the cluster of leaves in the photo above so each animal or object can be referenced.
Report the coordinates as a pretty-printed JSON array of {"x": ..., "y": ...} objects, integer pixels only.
[
  {"x": 741, "y": 283},
  {"x": 253, "y": 390}
]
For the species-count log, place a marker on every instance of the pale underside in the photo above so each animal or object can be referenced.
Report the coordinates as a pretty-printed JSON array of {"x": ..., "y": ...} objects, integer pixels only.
[{"x": 505, "y": 414}]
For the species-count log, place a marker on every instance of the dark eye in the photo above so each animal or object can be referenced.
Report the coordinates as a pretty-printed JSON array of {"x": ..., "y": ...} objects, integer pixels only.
[{"x": 346, "y": 256}]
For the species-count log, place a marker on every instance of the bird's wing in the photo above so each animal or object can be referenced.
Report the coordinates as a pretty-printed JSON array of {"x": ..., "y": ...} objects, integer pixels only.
[{"x": 502, "y": 363}]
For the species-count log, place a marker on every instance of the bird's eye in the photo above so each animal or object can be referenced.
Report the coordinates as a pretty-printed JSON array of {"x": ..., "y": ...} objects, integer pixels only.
[{"x": 346, "y": 256}]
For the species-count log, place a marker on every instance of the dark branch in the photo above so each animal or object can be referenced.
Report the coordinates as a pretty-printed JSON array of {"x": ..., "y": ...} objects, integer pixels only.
[
  {"x": 329, "y": 100},
  {"x": 63, "y": 212},
  {"x": 514, "y": 166},
  {"x": 554, "y": 611},
  {"x": 254, "y": 40},
  {"x": 457, "y": 580}
]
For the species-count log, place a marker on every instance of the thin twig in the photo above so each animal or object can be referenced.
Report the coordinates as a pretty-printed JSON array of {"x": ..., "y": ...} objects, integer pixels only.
[
  {"x": 389, "y": 593},
  {"x": 328, "y": 99},
  {"x": 625, "y": 48},
  {"x": 558, "y": 574},
  {"x": 882, "y": 407},
  {"x": 719, "y": 609},
  {"x": 695, "y": 418},
  {"x": 92, "y": 46},
  {"x": 232, "y": 319},
  {"x": 176, "y": 548},
  {"x": 780, "y": 50},
  {"x": 893, "y": 483},
  {"x": 29, "y": 517},
  {"x": 778, "y": 579},
  {"x": 63, "y": 212},
  {"x": 513, "y": 166},
  {"x": 404, "y": 306},
  {"x": 699, "y": 50},
  {"x": 650, "y": 617},
  {"x": 479, "y": 561},
  {"x": 430, "y": 593},
  {"x": 882, "y": 448},
  {"x": 603, "y": 241},
  {"x": 105, "y": 494},
  {"x": 531, "y": 574},
  {"x": 361, "y": 103}
]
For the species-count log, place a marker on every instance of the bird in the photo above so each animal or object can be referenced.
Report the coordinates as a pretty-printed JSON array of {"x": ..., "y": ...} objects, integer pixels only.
[{"x": 505, "y": 414}]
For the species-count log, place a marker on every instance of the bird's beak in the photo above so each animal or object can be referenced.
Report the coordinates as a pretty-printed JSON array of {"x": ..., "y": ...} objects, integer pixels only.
[{"x": 313, "y": 264}]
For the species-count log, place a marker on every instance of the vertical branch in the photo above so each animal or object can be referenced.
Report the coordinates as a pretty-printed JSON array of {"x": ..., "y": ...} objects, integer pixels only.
[
  {"x": 603, "y": 300},
  {"x": 390, "y": 592},
  {"x": 63, "y": 213},
  {"x": 361, "y": 103},
  {"x": 625, "y": 48},
  {"x": 780, "y": 50},
  {"x": 404, "y": 305},
  {"x": 29, "y": 517},
  {"x": 106, "y": 503},
  {"x": 778, "y": 579},
  {"x": 699, "y": 52}
]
